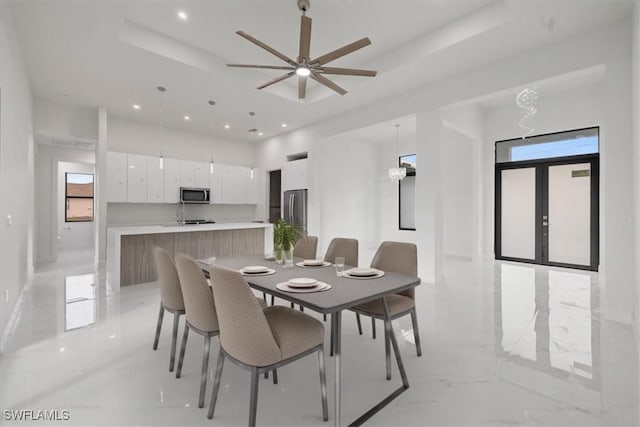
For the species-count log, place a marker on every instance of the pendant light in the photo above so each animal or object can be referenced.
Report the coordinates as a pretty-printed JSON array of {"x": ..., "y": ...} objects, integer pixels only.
[
  {"x": 397, "y": 174},
  {"x": 162, "y": 90},
  {"x": 212, "y": 103}
]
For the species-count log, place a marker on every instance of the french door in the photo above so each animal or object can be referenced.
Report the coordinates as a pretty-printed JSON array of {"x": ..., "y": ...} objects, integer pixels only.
[{"x": 547, "y": 212}]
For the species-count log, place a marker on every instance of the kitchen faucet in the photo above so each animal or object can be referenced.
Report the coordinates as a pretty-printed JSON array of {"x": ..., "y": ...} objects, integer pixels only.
[{"x": 180, "y": 215}]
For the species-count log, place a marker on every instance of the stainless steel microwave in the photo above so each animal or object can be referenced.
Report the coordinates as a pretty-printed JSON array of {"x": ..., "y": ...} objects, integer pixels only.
[{"x": 195, "y": 195}]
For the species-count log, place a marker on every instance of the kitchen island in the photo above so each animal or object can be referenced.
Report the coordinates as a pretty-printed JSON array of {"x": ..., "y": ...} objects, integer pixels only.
[{"x": 129, "y": 248}]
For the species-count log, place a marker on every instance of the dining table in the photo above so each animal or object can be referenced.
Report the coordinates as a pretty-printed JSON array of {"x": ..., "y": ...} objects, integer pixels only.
[{"x": 345, "y": 292}]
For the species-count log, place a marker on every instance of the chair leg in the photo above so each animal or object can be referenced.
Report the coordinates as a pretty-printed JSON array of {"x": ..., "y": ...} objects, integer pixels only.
[
  {"x": 359, "y": 323},
  {"x": 416, "y": 333},
  {"x": 273, "y": 299},
  {"x": 323, "y": 384},
  {"x": 253, "y": 402},
  {"x": 205, "y": 368},
  {"x": 183, "y": 347},
  {"x": 216, "y": 384},
  {"x": 324, "y": 317},
  {"x": 275, "y": 376},
  {"x": 158, "y": 327},
  {"x": 292, "y": 306},
  {"x": 373, "y": 327},
  {"x": 174, "y": 338},
  {"x": 387, "y": 348},
  {"x": 264, "y": 297},
  {"x": 301, "y": 308}
]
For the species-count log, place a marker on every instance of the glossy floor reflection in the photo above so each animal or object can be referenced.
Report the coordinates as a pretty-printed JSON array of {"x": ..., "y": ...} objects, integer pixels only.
[{"x": 503, "y": 344}]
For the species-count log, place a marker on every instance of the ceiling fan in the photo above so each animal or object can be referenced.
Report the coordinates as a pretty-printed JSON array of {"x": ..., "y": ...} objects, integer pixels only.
[{"x": 305, "y": 66}]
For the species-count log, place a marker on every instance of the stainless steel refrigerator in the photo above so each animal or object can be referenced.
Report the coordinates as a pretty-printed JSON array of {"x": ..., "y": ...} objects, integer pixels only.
[{"x": 295, "y": 208}]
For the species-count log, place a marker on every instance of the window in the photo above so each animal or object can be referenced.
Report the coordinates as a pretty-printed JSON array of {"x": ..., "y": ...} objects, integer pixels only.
[
  {"x": 407, "y": 194},
  {"x": 560, "y": 144},
  {"x": 78, "y": 197}
]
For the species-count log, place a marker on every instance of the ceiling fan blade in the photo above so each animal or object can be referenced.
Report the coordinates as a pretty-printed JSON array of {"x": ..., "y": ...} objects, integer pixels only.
[
  {"x": 344, "y": 50},
  {"x": 328, "y": 83},
  {"x": 276, "y": 80},
  {"x": 305, "y": 38},
  {"x": 267, "y": 48},
  {"x": 302, "y": 87},
  {"x": 346, "y": 71},
  {"x": 268, "y": 67}
]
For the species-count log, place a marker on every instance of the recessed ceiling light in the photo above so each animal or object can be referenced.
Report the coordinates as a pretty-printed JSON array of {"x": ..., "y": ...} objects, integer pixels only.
[
  {"x": 136, "y": 107},
  {"x": 182, "y": 15},
  {"x": 260, "y": 133},
  {"x": 227, "y": 126},
  {"x": 187, "y": 118},
  {"x": 284, "y": 125}
]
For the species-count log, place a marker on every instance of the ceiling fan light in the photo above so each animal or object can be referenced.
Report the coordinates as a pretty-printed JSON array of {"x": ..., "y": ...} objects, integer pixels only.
[{"x": 303, "y": 71}]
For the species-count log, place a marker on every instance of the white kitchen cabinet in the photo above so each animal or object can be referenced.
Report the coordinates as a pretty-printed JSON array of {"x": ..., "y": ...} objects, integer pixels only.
[
  {"x": 171, "y": 180},
  {"x": 201, "y": 176},
  {"x": 155, "y": 181},
  {"x": 187, "y": 173},
  {"x": 234, "y": 189},
  {"x": 136, "y": 178},
  {"x": 295, "y": 175},
  {"x": 116, "y": 177},
  {"x": 215, "y": 184}
]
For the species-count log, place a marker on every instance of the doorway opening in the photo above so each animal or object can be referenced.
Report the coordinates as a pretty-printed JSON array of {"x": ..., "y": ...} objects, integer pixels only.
[
  {"x": 547, "y": 200},
  {"x": 275, "y": 195}
]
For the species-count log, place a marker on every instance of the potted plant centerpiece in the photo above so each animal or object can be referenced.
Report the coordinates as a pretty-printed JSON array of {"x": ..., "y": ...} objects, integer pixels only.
[{"x": 285, "y": 236}]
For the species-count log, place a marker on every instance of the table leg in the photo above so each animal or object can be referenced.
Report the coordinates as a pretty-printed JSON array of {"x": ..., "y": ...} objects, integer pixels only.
[{"x": 337, "y": 338}]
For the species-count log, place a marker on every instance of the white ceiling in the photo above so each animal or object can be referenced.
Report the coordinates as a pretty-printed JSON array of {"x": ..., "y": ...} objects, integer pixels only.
[{"x": 114, "y": 53}]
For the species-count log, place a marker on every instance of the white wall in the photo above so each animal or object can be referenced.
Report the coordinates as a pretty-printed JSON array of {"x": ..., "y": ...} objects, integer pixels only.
[
  {"x": 68, "y": 122},
  {"x": 47, "y": 191},
  {"x": 139, "y": 138},
  {"x": 636, "y": 158},
  {"x": 73, "y": 235},
  {"x": 457, "y": 195},
  {"x": 345, "y": 193},
  {"x": 16, "y": 171}
]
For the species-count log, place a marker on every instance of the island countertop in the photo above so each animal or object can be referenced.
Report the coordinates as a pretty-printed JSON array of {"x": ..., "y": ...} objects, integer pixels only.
[{"x": 125, "y": 230}]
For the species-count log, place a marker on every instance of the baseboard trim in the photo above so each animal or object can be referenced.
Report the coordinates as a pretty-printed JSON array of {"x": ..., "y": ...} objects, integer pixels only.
[{"x": 14, "y": 317}]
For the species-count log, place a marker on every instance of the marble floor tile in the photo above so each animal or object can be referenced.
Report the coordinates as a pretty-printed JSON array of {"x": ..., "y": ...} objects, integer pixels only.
[{"x": 503, "y": 344}]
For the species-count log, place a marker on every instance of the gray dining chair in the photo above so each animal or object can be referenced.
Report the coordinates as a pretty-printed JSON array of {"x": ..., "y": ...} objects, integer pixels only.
[
  {"x": 306, "y": 247},
  {"x": 170, "y": 298},
  {"x": 347, "y": 248},
  {"x": 201, "y": 315},
  {"x": 399, "y": 257},
  {"x": 260, "y": 340}
]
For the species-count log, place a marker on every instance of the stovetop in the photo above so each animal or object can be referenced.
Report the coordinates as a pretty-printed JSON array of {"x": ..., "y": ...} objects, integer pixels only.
[{"x": 199, "y": 221}]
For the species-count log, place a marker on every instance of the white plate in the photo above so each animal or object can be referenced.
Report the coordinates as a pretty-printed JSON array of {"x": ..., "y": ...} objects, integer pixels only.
[
  {"x": 302, "y": 282},
  {"x": 319, "y": 287},
  {"x": 323, "y": 264},
  {"x": 255, "y": 269},
  {"x": 267, "y": 272},
  {"x": 313, "y": 262},
  {"x": 363, "y": 272}
]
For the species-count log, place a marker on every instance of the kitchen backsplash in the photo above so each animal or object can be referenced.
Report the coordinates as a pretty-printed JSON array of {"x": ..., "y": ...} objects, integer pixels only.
[{"x": 160, "y": 214}]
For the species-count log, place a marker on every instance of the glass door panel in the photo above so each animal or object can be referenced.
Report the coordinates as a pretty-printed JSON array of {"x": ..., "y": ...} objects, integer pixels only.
[
  {"x": 569, "y": 213},
  {"x": 518, "y": 222}
]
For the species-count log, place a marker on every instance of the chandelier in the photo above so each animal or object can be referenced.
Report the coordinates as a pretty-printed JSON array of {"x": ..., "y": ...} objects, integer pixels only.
[
  {"x": 397, "y": 174},
  {"x": 527, "y": 99}
]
